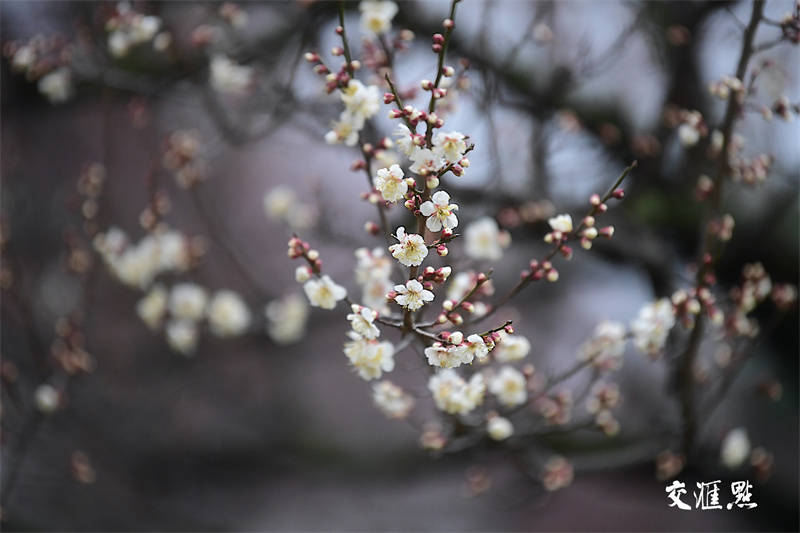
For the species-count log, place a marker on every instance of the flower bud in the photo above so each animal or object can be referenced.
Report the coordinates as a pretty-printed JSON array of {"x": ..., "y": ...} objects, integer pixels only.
[
  {"x": 388, "y": 98},
  {"x": 607, "y": 232},
  {"x": 426, "y": 85},
  {"x": 448, "y": 24},
  {"x": 590, "y": 233},
  {"x": 448, "y": 305},
  {"x": 432, "y": 182},
  {"x": 448, "y": 71},
  {"x": 371, "y": 228},
  {"x": 437, "y": 48},
  {"x": 312, "y": 255},
  {"x": 619, "y": 194},
  {"x": 337, "y": 51},
  {"x": 442, "y": 250},
  {"x": 456, "y": 337},
  {"x": 302, "y": 274},
  {"x": 594, "y": 200},
  {"x": 438, "y": 38},
  {"x": 311, "y": 57},
  {"x": 552, "y": 275}
]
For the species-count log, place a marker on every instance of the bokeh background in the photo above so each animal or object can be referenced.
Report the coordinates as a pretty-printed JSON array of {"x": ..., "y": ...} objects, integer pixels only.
[{"x": 252, "y": 435}]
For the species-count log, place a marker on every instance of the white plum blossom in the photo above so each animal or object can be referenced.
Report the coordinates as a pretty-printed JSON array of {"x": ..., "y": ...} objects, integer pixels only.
[
  {"x": 688, "y": 134},
  {"x": 372, "y": 274},
  {"x": 511, "y": 348},
  {"x": 449, "y": 146},
  {"x": 324, "y": 292},
  {"x": 448, "y": 355},
  {"x": 286, "y": 318},
  {"x": 137, "y": 265},
  {"x": 46, "y": 398},
  {"x": 393, "y": 401},
  {"x": 279, "y": 201},
  {"x": 361, "y": 102},
  {"x": 187, "y": 300},
  {"x": 391, "y": 183},
  {"x": 460, "y": 285},
  {"x": 412, "y": 295},
  {"x": 652, "y": 325},
  {"x": 562, "y": 223},
  {"x": 454, "y": 395},
  {"x": 484, "y": 240},
  {"x": 132, "y": 29},
  {"x": 425, "y": 161},
  {"x": 24, "y": 58},
  {"x": 411, "y": 250},
  {"x": 404, "y": 141},
  {"x": 499, "y": 428},
  {"x": 476, "y": 347},
  {"x": 735, "y": 448},
  {"x": 228, "y": 315},
  {"x": 377, "y": 15},
  {"x": 56, "y": 85},
  {"x": 152, "y": 307},
  {"x": 343, "y": 130},
  {"x": 373, "y": 264},
  {"x": 370, "y": 358},
  {"x": 182, "y": 335},
  {"x": 606, "y": 347},
  {"x": 362, "y": 320},
  {"x": 509, "y": 385},
  {"x": 440, "y": 212},
  {"x": 228, "y": 76}
]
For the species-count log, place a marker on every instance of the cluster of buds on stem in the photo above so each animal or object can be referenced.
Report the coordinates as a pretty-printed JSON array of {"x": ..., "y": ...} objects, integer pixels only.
[{"x": 300, "y": 248}]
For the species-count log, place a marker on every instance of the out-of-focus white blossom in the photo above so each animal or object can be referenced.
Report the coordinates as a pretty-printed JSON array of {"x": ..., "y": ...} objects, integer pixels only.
[
  {"x": 286, "y": 318},
  {"x": 281, "y": 203},
  {"x": 372, "y": 274},
  {"x": 652, "y": 325},
  {"x": 557, "y": 474},
  {"x": 484, "y": 240},
  {"x": 511, "y": 348},
  {"x": 362, "y": 320},
  {"x": 606, "y": 346},
  {"x": 391, "y": 183},
  {"x": 411, "y": 250},
  {"x": 46, "y": 398},
  {"x": 137, "y": 265},
  {"x": 129, "y": 30},
  {"x": 324, "y": 292},
  {"x": 228, "y": 315},
  {"x": 361, "y": 102},
  {"x": 499, "y": 428},
  {"x": 377, "y": 15},
  {"x": 454, "y": 395},
  {"x": 412, "y": 295},
  {"x": 369, "y": 357},
  {"x": 56, "y": 85},
  {"x": 182, "y": 335},
  {"x": 509, "y": 385},
  {"x": 188, "y": 300},
  {"x": 152, "y": 307},
  {"x": 393, "y": 401},
  {"x": 735, "y": 448},
  {"x": 229, "y": 77},
  {"x": 449, "y": 146},
  {"x": 562, "y": 223},
  {"x": 344, "y": 130},
  {"x": 440, "y": 212}
]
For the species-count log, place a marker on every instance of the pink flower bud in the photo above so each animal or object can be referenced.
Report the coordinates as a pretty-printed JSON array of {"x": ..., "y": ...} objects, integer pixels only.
[
  {"x": 311, "y": 57},
  {"x": 566, "y": 251},
  {"x": 509, "y": 329},
  {"x": 437, "y": 48},
  {"x": 481, "y": 278},
  {"x": 441, "y": 319},
  {"x": 447, "y": 233},
  {"x": 438, "y": 38},
  {"x": 457, "y": 170},
  {"x": 602, "y": 208},
  {"x": 468, "y": 307},
  {"x": 607, "y": 232},
  {"x": 594, "y": 200},
  {"x": 448, "y": 24},
  {"x": 426, "y": 85},
  {"x": 371, "y": 228},
  {"x": 442, "y": 250},
  {"x": 339, "y": 30},
  {"x": 391, "y": 295},
  {"x": 358, "y": 164},
  {"x": 427, "y": 285},
  {"x": 552, "y": 275},
  {"x": 619, "y": 194},
  {"x": 337, "y": 51},
  {"x": 395, "y": 113},
  {"x": 524, "y": 274},
  {"x": 388, "y": 98},
  {"x": 321, "y": 69},
  {"x": 448, "y": 71}
]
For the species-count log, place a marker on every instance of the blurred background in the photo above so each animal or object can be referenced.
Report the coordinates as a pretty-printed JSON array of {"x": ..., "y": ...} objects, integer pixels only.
[{"x": 260, "y": 433}]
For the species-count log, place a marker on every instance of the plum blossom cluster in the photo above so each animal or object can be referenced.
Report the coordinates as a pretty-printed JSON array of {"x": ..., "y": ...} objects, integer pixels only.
[
  {"x": 128, "y": 29},
  {"x": 479, "y": 377},
  {"x": 183, "y": 308},
  {"x": 184, "y": 158},
  {"x": 46, "y": 61}
]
